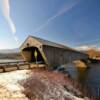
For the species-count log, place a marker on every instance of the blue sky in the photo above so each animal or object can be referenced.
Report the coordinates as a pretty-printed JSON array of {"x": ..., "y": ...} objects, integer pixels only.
[{"x": 69, "y": 22}]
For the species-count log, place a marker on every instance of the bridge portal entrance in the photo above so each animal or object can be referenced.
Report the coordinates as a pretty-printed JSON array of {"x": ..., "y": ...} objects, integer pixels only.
[{"x": 33, "y": 55}]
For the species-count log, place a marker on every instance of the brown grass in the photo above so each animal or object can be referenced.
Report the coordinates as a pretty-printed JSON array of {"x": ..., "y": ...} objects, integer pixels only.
[{"x": 51, "y": 84}]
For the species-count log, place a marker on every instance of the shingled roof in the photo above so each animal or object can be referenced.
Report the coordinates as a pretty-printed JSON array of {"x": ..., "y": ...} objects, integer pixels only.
[
  {"x": 49, "y": 43},
  {"x": 52, "y": 44}
]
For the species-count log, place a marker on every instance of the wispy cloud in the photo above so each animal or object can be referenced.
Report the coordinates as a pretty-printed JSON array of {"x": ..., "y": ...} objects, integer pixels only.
[
  {"x": 16, "y": 39},
  {"x": 63, "y": 10},
  {"x": 6, "y": 12},
  {"x": 90, "y": 44},
  {"x": 5, "y": 6},
  {"x": 88, "y": 47}
]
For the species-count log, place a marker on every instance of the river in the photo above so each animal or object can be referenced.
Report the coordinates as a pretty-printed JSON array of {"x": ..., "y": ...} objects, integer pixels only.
[{"x": 87, "y": 77}]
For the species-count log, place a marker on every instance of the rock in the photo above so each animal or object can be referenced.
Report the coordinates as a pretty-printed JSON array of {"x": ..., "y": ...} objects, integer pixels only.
[{"x": 80, "y": 64}]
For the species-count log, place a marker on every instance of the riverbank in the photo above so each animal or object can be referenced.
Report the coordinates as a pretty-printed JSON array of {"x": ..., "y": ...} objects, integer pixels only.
[
  {"x": 88, "y": 78},
  {"x": 38, "y": 84}
]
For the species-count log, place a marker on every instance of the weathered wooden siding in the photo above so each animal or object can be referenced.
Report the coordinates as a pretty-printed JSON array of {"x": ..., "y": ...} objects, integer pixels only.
[
  {"x": 31, "y": 42},
  {"x": 26, "y": 55},
  {"x": 53, "y": 54},
  {"x": 58, "y": 56}
]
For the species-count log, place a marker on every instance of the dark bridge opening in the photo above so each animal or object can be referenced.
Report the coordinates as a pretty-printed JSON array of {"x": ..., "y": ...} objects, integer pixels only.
[{"x": 33, "y": 55}]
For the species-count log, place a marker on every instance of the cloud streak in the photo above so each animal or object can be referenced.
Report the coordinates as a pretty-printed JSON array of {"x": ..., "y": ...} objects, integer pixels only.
[
  {"x": 5, "y": 7},
  {"x": 88, "y": 47},
  {"x": 6, "y": 12},
  {"x": 62, "y": 11}
]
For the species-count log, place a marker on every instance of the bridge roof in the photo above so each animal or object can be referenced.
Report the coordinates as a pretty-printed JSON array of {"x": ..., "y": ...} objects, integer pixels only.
[{"x": 53, "y": 44}]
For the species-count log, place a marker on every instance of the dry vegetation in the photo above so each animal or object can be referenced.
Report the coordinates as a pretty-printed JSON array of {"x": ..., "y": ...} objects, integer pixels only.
[
  {"x": 38, "y": 84},
  {"x": 93, "y": 53},
  {"x": 50, "y": 85}
]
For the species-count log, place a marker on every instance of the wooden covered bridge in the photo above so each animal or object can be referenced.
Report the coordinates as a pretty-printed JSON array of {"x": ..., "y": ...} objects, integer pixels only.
[{"x": 45, "y": 52}]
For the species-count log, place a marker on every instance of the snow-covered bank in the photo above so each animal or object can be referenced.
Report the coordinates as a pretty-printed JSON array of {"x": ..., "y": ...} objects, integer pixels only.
[{"x": 38, "y": 85}]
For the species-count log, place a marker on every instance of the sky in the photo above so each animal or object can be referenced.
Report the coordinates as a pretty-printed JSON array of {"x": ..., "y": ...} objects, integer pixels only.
[{"x": 70, "y": 22}]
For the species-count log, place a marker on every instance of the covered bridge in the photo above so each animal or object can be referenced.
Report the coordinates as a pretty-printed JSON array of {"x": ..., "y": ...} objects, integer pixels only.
[{"x": 43, "y": 51}]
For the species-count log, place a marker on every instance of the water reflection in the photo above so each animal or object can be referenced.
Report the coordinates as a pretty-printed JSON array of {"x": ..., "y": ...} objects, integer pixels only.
[
  {"x": 87, "y": 77},
  {"x": 82, "y": 75}
]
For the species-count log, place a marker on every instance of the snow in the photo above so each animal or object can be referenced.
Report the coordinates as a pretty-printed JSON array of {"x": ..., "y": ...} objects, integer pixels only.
[{"x": 41, "y": 85}]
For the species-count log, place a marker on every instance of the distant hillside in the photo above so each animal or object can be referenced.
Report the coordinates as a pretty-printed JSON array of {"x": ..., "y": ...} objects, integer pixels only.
[
  {"x": 10, "y": 54},
  {"x": 92, "y": 50},
  {"x": 93, "y": 53},
  {"x": 3, "y": 51}
]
